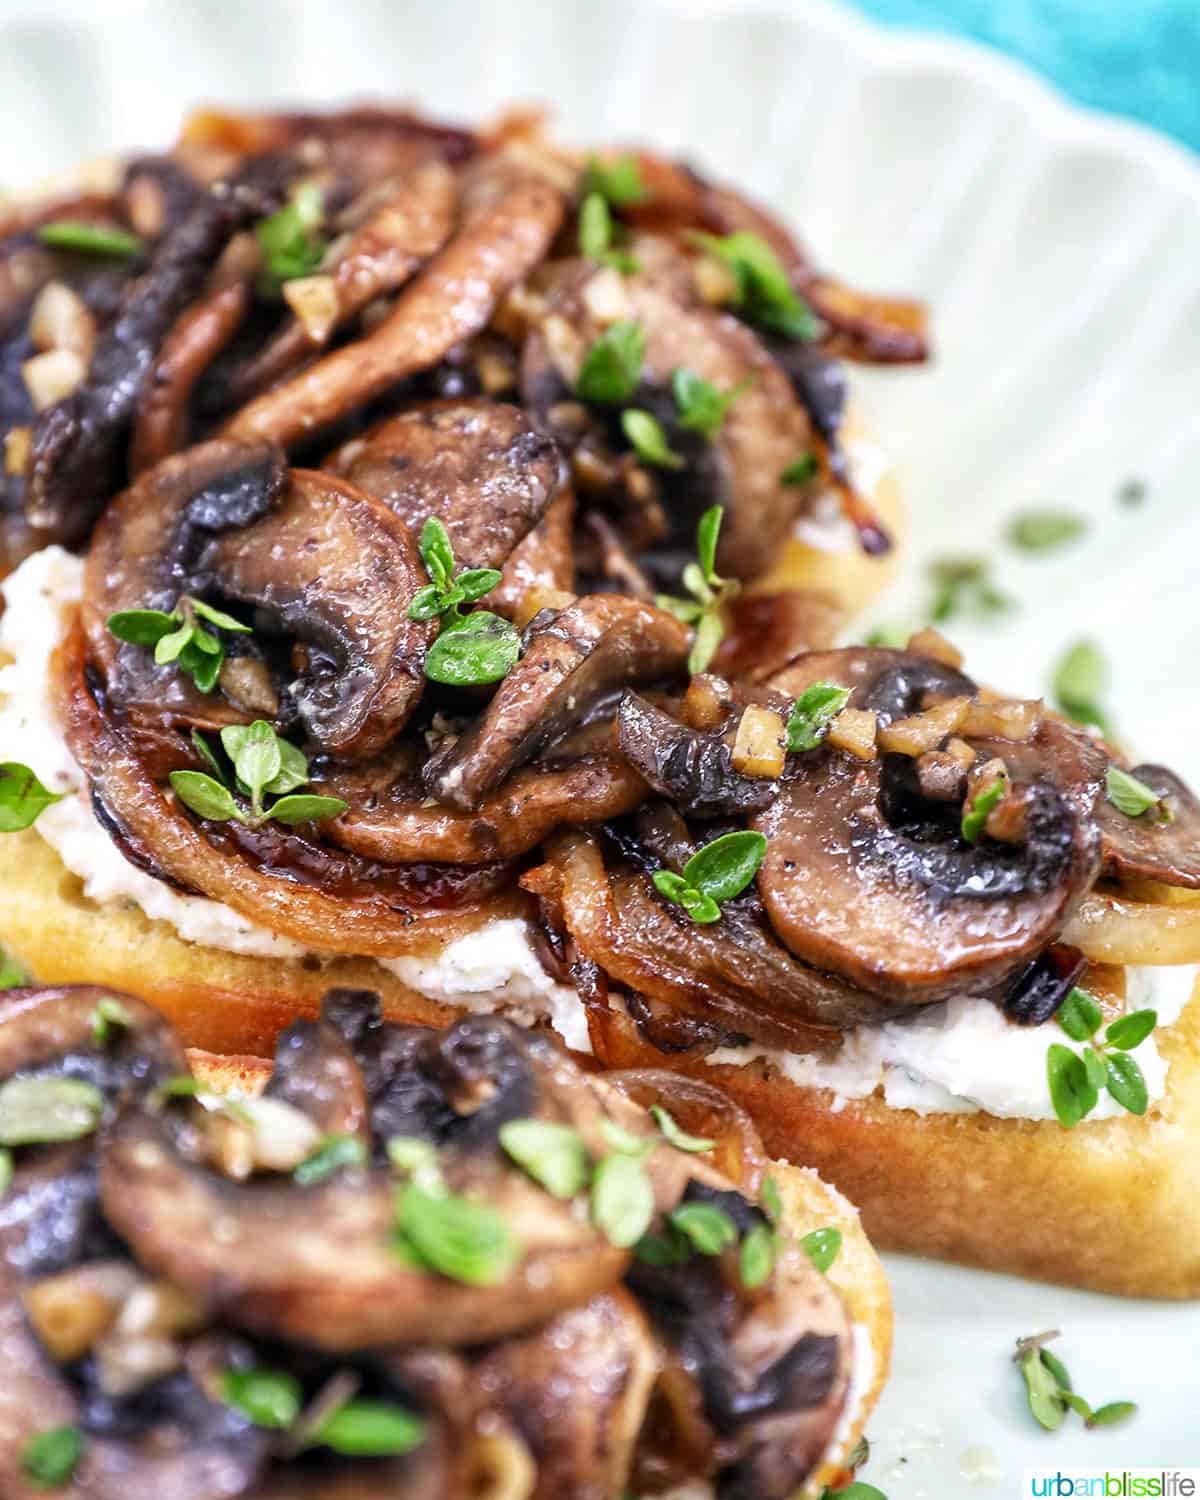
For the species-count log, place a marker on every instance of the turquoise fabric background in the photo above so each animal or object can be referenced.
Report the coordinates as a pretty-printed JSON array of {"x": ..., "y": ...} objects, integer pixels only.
[{"x": 1139, "y": 58}]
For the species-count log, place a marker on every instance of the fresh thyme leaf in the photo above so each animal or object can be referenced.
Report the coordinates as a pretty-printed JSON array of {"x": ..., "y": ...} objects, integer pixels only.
[
  {"x": 23, "y": 798},
  {"x": 595, "y": 226},
  {"x": 333, "y": 1153},
  {"x": 813, "y": 712},
  {"x": 370, "y": 1429},
  {"x": 553, "y": 1154},
  {"x": 702, "y": 407},
  {"x": 1042, "y": 1392},
  {"x": 305, "y": 808},
  {"x": 270, "y": 1398},
  {"x": 622, "y": 1200},
  {"x": 473, "y": 649},
  {"x": 1129, "y": 795},
  {"x": 1072, "y": 1091},
  {"x": 800, "y": 470},
  {"x": 142, "y": 627},
  {"x": 1112, "y": 1413},
  {"x": 1126, "y": 1083},
  {"x": 1131, "y": 1030},
  {"x": 618, "y": 179},
  {"x": 463, "y": 1240},
  {"x": 977, "y": 811},
  {"x": 1044, "y": 530},
  {"x": 1079, "y": 684},
  {"x": 49, "y": 1459},
  {"x": 1132, "y": 493},
  {"x": 648, "y": 439},
  {"x": 204, "y": 795},
  {"x": 757, "y": 1261},
  {"x": 961, "y": 582},
  {"x": 109, "y": 1019},
  {"x": 709, "y": 1229},
  {"x": 764, "y": 292},
  {"x": 89, "y": 239},
  {"x": 38, "y": 1111},
  {"x": 612, "y": 367},
  {"x": 822, "y": 1246},
  {"x": 709, "y": 634},
  {"x": 725, "y": 867},
  {"x": 675, "y": 1135},
  {"x": 288, "y": 238},
  {"x": 1079, "y": 1015}
]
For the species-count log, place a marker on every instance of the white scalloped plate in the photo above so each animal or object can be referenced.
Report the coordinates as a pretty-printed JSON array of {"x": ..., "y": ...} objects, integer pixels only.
[{"x": 1061, "y": 253}]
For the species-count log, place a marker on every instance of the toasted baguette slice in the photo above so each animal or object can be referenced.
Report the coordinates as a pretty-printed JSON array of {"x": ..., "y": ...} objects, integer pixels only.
[
  {"x": 1111, "y": 1206},
  {"x": 228, "y": 1002},
  {"x": 808, "y": 1204}
]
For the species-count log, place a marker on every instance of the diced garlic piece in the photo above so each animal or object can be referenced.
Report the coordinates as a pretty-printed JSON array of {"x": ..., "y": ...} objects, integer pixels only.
[
  {"x": 1004, "y": 719},
  {"x": 51, "y": 377},
  {"x": 933, "y": 644},
  {"x": 758, "y": 747},
  {"x": 314, "y": 300},
  {"x": 60, "y": 319},
  {"x": 283, "y": 1134},
  {"x": 854, "y": 730},
  {"x": 605, "y": 296},
  {"x": 924, "y": 731},
  {"x": 538, "y": 597},
  {"x": 18, "y": 444}
]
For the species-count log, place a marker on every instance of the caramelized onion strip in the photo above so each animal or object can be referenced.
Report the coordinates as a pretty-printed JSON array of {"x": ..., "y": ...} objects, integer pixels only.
[
  {"x": 1111, "y": 929},
  {"x": 364, "y": 923}
]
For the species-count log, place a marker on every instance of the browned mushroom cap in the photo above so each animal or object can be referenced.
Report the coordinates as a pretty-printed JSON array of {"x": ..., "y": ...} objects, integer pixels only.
[
  {"x": 865, "y": 877},
  {"x": 765, "y": 430},
  {"x": 49, "y": 1217},
  {"x": 326, "y": 565},
  {"x": 732, "y": 974},
  {"x": 693, "y": 768},
  {"x": 770, "y": 1370},
  {"x": 401, "y": 229},
  {"x": 1153, "y": 846},
  {"x": 339, "y": 571},
  {"x": 479, "y": 466},
  {"x": 77, "y": 443},
  {"x": 509, "y": 216},
  {"x": 577, "y": 1392},
  {"x": 189, "y": 1449},
  {"x": 319, "y": 1264},
  {"x": 584, "y": 653},
  {"x": 544, "y": 561},
  {"x": 390, "y": 817}
]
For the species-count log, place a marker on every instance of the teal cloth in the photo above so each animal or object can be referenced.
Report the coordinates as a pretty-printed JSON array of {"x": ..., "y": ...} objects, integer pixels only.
[{"x": 1139, "y": 58}]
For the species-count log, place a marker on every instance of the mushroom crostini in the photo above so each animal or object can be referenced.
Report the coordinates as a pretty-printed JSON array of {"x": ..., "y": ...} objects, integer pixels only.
[
  {"x": 415, "y": 1263},
  {"x": 372, "y": 451}
]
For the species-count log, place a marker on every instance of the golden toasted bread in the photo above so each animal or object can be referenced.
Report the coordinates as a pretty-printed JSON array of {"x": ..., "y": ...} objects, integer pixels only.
[{"x": 1112, "y": 1205}]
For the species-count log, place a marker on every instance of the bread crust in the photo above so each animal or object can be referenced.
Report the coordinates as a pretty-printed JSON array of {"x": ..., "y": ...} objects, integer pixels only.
[
  {"x": 225, "y": 1002},
  {"x": 1110, "y": 1206},
  {"x": 808, "y": 1204}
]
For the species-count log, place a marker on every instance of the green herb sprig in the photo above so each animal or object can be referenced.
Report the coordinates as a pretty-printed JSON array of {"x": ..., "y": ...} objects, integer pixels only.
[
  {"x": 1050, "y": 1392},
  {"x": 332, "y": 1153},
  {"x": 702, "y": 406},
  {"x": 597, "y": 234},
  {"x": 612, "y": 367},
  {"x": 619, "y": 181},
  {"x": 472, "y": 649},
  {"x": 49, "y": 1459},
  {"x": 1079, "y": 683},
  {"x": 1133, "y": 797},
  {"x": 264, "y": 766},
  {"x": 12, "y": 973},
  {"x": 716, "y": 873},
  {"x": 357, "y": 1429},
  {"x": 1076, "y": 1079},
  {"x": 856, "y": 1491},
  {"x": 823, "y": 1246},
  {"x": 1045, "y": 530},
  {"x": 709, "y": 593},
  {"x": 178, "y": 636},
  {"x": 978, "y": 809},
  {"x": 813, "y": 712},
  {"x": 289, "y": 241},
  {"x": 23, "y": 798},
  {"x": 90, "y": 239},
  {"x": 961, "y": 583},
  {"x": 42, "y": 1111},
  {"x": 648, "y": 439},
  {"x": 764, "y": 293}
]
